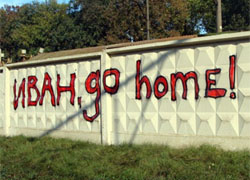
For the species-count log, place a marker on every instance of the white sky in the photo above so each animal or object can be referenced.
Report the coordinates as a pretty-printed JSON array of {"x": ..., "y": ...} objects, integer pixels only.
[{"x": 21, "y": 2}]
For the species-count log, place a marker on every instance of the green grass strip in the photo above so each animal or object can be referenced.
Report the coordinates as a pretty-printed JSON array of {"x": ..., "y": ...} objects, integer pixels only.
[{"x": 48, "y": 158}]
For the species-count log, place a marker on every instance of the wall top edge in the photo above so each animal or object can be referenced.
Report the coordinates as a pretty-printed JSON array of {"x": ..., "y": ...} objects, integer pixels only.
[
  {"x": 55, "y": 60},
  {"x": 182, "y": 42},
  {"x": 96, "y": 52}
]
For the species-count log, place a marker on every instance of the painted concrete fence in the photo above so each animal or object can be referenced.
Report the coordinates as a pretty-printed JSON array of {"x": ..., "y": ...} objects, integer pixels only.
[{"x": 182, "y": 92}]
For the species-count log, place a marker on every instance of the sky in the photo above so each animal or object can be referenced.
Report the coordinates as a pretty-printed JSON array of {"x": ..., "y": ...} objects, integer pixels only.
[{"x": 21, "y": 2}]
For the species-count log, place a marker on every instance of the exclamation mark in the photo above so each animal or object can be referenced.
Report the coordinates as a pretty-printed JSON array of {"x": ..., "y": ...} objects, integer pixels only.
[{"x": 232, "y": 60}]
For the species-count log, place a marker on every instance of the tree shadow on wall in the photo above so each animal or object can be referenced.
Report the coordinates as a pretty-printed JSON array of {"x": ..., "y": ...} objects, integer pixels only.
[{"x": 144, "y": 105}]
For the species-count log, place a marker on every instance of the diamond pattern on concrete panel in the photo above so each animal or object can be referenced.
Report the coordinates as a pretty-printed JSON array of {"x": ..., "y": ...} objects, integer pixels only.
[
  {"x": 206, "y": 124},
  {"x": 204, "y": 57},
  {"x": 166, "y": 105},
  {"x": 119, "y": 63},
  {"x": 63, "y": 103},
  {"x": 120, "y": 123},
  {"x": 95, "y": 125},
  {"x": 244, "y": 114},
  {"x": 69, "y": 106},
  {"x": 186, "y": 123},
  {"x": 167, "y": 123},
  {"x": 150, "y": 122},
  {"x": 51, "y": 70},
  {"x": 130, "y": 81},
  {"x": 185, "y": 105},
  {"x": 31, "y": 120},
  {"x": 119, "y": 103},
  {"x": 227, "y": 117},
  {"x": 231, "y": 105},
  {"x": 40, "y": 121},
  {"x": 244, "y": 67},
  {"x": 31, "y": 71},
  {"x": 244, "y": 84},
  {"x": 22, "y": 120},
  {"x": 94, "y": 66},
  {"x": 22, "y": 73},
  {"x": 222, "y": 79},
  {"x": 149, "y": 66},
  {"x": 227, "y": 124},
  {"x": 184, "y": 59},
  {"x": 206, "y": 105},
  {"x": 84, "y": 70},
  {"x": 61, "y": 70},
  {"x": 133, "y": 122},
  {"x": 243, "y": 50},
  {"x": 222, "y": 54},
  {"x": 244, "y": 119},
  {"x": 244, "y": 104},
  {"x": 130, "y": 63},
  {"x": 13, "y": 76},
  {"x": 73, "y": 124},
  {"x": 83, "y": 124},
  {"x": 201, "y": 74},
  {"x": 132, "y": 104},
  {"x": 60, "y": 119},
  {"x": 13, "y": 120},
  {"x": 50, "y": 120},
  {"x": 149, "y": 105},
  {"x": 166, "y": 60}
]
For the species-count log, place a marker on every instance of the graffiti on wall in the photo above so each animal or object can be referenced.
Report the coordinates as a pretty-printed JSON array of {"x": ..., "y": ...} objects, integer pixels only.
[{"x": 30, "y": 83}]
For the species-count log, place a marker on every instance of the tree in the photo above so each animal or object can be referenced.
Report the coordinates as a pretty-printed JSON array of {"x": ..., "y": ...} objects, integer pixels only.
[
  {"x": 167, "y": 18},
  {"x": 45, "y": 25},
  {"x": 8, "y": 18},
  {"x": 235, "y": 15},
  {"x": 89, "y": 16}
]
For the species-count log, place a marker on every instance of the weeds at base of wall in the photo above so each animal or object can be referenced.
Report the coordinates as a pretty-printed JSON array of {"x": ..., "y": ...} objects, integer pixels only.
[{"x": 48, "y": 158}]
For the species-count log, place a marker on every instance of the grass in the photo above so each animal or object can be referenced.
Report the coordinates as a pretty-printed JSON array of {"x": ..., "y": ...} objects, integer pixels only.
[{"x": 48, "y": 158}]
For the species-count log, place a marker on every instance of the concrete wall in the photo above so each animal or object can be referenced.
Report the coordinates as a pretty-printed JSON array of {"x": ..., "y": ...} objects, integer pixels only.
[{"x": 184, "y": 92}]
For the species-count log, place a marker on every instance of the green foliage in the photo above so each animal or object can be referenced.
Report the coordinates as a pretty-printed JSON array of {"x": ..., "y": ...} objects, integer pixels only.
[
  {"x": 167, "y": 18},
  {"x": 84, "y": 23},
  {"x": 235, "y": 15},
  {"x": 47, "y": 158},
  {"x": 8, "y": 19}
]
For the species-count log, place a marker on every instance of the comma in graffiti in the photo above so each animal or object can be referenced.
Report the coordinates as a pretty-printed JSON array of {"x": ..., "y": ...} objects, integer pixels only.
[{"x": 79, "y": 100}]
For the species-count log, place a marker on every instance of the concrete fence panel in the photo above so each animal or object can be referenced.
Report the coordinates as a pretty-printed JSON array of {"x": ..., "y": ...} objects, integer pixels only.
[
  {"x": 43, "y": 97},
  {"x": 189, "y": 95},
  {"x": 181, "y": 92}
]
